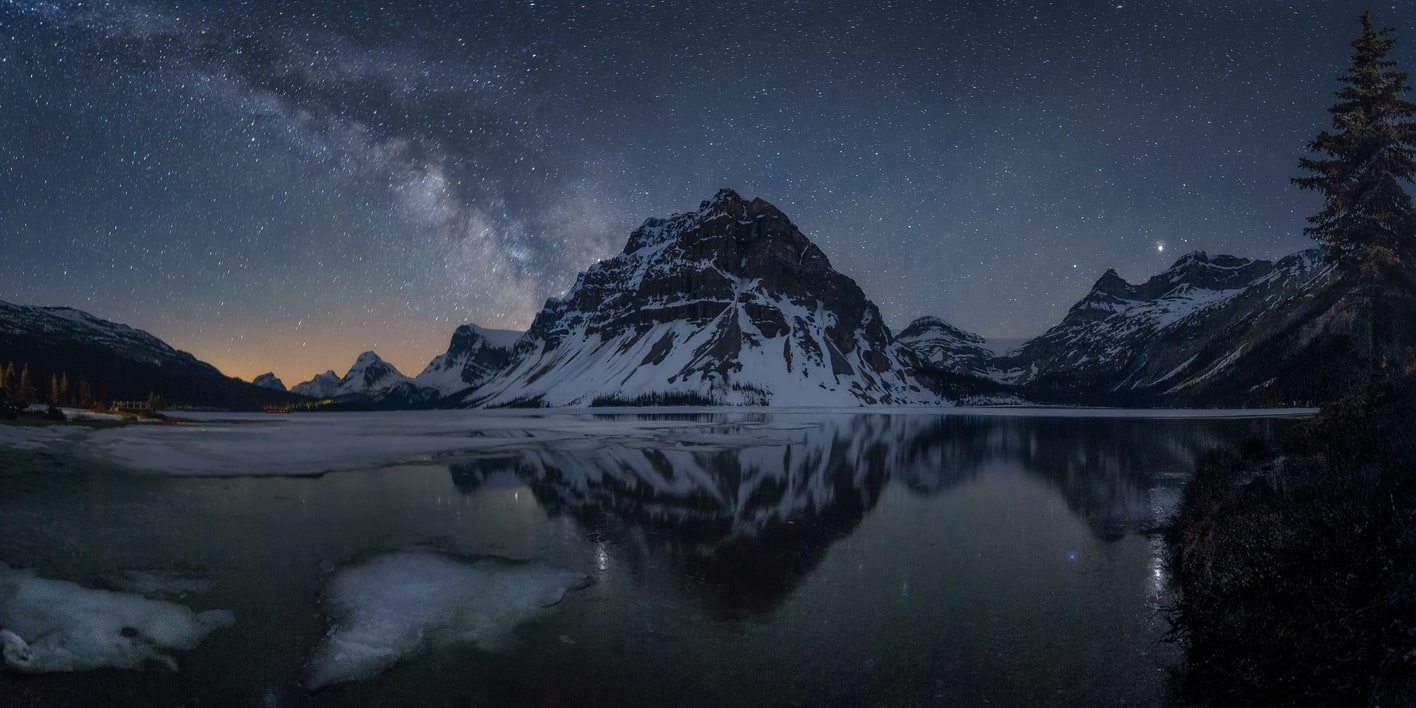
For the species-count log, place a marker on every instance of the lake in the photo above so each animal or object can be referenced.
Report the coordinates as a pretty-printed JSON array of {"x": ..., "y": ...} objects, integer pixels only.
[{"x": 666, "y": 558}]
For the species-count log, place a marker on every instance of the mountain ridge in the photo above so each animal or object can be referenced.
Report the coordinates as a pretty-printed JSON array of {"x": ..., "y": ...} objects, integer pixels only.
[{"x": 117, "y": 361}]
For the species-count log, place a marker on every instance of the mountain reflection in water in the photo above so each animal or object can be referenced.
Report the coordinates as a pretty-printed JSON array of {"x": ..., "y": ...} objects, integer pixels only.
[{"x": 747, "y": 523}]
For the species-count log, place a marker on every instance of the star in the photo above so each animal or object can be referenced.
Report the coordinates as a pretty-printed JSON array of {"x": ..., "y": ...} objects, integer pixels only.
[{"x": 229, "y": 174}]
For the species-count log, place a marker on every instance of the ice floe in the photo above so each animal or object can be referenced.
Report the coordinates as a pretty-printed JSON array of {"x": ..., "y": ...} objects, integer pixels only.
[
  {"x": 57, "y": 625},
  {"x": 397, "y": 604}
]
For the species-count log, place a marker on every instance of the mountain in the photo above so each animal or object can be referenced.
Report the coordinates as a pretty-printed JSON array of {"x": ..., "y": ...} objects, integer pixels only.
[
  {"x": 370, "y": 382},
  {"x": 1221, "y": 331},
  {"x": 473, "y": 356},
  {"x": 268, "y": 380},
  {"x": 947, "y": 347},
  {"x": 729, "y": 304},
  {"x": 117, "y": 362},
  {"x": 324, "y": 385},
  {"x": 370, "y": 373}
]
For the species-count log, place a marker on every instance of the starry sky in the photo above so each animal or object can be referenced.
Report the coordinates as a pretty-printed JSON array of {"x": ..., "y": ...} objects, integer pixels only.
[{"x": 277, "y": 186}]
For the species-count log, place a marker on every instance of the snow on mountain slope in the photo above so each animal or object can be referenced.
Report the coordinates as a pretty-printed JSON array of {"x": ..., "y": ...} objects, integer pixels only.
[
  {"x": 473, "y": 356},
  {"x": 369, "y": 376},
  {"x": 728, "y": 304},
  {"x": 324, "y": 385},
  {"x": 1175, "y": 331},
  {"x": 370, "y": 373},
  {"x": 949, "y": 348}
]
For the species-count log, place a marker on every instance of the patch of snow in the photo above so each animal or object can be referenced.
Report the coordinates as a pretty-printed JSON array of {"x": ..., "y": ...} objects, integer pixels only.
[
  {"x": 1217, "y": 367},
  {"x": 57, "y": 625},
  {"x": 1183, "y": 365},
  {"x": 398, "y": 604}
]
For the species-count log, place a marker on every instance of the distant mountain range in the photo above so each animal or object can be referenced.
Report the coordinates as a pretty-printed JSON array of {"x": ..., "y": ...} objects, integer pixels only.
[{"x": 732, "y": 304}]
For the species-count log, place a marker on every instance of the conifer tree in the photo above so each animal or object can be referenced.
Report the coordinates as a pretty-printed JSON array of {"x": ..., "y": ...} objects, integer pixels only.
[
  {"x": 4, "y": 383},
  {"x": 53, "y": 389},
  {"x": 12, "y": 381},
  {"x": 1369, "y": 155},
  {"x": 24, "y": 392},
  {"x": 64, "y": 390}
]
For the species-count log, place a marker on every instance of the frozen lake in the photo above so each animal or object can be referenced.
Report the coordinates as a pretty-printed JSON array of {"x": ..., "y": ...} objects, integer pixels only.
[{"x": 622, "y": 558}]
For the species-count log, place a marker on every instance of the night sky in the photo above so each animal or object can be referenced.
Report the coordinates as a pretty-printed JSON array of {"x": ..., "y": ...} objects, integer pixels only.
[{"x": 281, "y": 185}]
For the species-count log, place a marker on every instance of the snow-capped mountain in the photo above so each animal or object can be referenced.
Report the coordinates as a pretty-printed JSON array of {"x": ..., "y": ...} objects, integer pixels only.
[
  {"x": 324, "y": 385},
  {"x": 947, "y": 347},
  {"x": 370, "y": 373},
  {"x": 1209, "y": 330},
  {"x": 728, "y": 304},
  {"x": 473, "y": 356},
  {"x": 370, "y": 379},
  {"x": 268, "y": 380},
  {"x": 117, "y": 362}
]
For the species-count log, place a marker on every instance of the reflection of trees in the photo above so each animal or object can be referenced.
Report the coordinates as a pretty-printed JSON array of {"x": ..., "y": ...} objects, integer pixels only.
[
  {"x": 1121, "y": 476},
  {"x": 747, "y": 523}
]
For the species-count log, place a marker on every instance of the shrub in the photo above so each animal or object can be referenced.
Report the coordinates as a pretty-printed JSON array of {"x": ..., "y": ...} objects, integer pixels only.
[{"x": 1296, "y": 567}]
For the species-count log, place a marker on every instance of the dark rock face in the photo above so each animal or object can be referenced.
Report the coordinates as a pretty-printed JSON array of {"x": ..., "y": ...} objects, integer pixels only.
[
  {"x": 727, "y": 304},
  {"x": 116, "y": 361},
  {"x": 269, "y": 381}
]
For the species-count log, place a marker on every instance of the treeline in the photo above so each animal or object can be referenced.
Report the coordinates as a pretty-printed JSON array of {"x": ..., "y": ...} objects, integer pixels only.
[{"x": 19, "y": 387}]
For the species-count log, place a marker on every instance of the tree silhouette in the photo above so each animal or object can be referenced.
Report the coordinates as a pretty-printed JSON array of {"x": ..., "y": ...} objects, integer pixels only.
[{"x": 1370, "y": 154}]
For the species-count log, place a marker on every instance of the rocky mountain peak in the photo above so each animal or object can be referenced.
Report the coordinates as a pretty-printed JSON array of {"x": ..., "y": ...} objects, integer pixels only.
[
  {"x": 268, "y": 380},
  {"x": 691, "y": 295},
  {"x": 947, "y": 347},
  {"x": 473, "y": 355},
  {"x": 1201, "y": 271},
  {"x": 1111, "y": 283},
  {"x": 370, "y": 373},
  {"x": 367, "y": 359},
  {"x": 930, "y": 323}
]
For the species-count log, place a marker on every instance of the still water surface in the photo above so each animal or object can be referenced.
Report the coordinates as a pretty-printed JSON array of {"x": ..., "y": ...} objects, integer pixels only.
[{"x": 864, "y": 560}]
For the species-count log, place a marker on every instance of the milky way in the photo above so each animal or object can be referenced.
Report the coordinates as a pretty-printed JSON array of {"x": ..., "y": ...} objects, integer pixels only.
[{"x": 281, "y": 185}]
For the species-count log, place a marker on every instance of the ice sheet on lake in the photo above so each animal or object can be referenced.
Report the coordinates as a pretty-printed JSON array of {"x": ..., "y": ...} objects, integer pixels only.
[
  {"x": 68, "y": 627},
  {"x": 303, "y": 444},
  {"x": 400, "y": 603}
]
